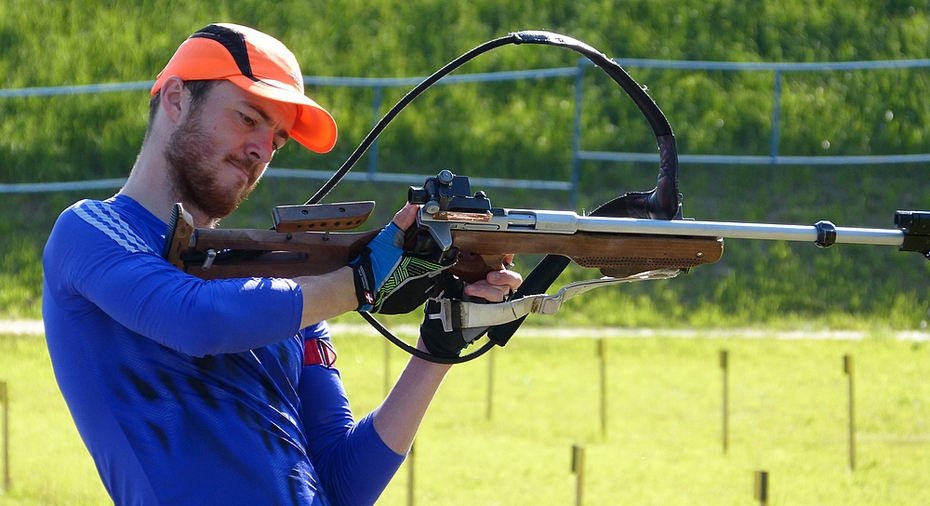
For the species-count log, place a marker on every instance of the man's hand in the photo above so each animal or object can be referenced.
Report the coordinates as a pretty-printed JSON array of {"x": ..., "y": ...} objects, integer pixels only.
[
  {"x": 384, "y": 267},
  {"x": 496, "y": 287}
]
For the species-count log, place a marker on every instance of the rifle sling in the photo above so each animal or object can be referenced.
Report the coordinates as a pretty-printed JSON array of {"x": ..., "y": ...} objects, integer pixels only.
[{"x": 458, "y": 315}]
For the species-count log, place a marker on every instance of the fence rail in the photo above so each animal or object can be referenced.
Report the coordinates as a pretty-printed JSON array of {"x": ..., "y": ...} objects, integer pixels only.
[{"x": 774, "y": 158}]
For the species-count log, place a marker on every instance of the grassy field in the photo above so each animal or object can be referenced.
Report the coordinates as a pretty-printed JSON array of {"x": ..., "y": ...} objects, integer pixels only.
[{"x": 662, "y": 445}]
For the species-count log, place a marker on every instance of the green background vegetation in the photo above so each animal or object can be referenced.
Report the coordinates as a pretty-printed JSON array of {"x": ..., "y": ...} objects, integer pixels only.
[{"x": 523, "y": 130}]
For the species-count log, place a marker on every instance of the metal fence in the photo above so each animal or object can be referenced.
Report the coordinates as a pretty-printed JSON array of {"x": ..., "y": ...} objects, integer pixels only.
[{"x": 378, "y": 85}]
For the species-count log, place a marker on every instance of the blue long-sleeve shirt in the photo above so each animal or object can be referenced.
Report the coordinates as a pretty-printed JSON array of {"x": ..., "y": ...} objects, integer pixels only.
[{"x": 195, "y": 392}]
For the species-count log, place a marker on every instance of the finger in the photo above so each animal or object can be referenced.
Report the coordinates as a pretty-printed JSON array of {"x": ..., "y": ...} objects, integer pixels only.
[
  {"x": 496, "y": 286},
  {"x": 510, "y": 279},
  {"x": 406, "y": 217},
  {"x": 487, "y": 291}
]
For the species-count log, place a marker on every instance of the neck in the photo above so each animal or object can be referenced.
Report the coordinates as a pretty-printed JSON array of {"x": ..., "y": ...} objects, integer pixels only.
[{"x": 150, "y": 185}]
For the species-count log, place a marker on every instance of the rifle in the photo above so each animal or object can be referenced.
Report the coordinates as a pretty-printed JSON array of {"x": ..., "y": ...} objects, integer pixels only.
[
  {"x": 637, "y": 236},
  {"x": 310, "y": 239},
  {"x": 310, "y": 243}
]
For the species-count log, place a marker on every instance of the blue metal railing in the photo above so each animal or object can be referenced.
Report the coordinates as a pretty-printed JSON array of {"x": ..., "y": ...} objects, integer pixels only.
[
  {"x": 578, "y": 154},
  {"x": 778, "y": 69}
]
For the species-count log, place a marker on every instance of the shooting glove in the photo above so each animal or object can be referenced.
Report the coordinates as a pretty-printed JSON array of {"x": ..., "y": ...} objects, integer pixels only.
[
  {"x": 439, "y": 341},
  {"x": 387, "y": 277}
]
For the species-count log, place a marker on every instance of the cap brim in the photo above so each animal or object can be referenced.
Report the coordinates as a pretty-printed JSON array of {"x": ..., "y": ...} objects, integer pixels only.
[{"x": 314, "y": 128}]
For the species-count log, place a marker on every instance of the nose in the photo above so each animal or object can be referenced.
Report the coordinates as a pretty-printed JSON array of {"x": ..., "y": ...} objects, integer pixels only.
[{"x": 261, "y": 148}]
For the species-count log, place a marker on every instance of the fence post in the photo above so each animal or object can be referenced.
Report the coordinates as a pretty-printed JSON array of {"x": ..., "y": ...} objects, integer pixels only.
[
  {"x": 762, "y": 487},
  {"x": 410, "y": 476},
  {"x": 490, "y": 403},
  {"x": 724, "y": 365},
  {"x": 602, "y": 353},
  {"x": 578, "y": 469},
  {"x": 776, "y": 116},
  {"x": 387, "y": 367},
  {"x": 849, "y": 369},
  {"x": 576, "y": 134},
  {"x": 378, "y": 92},
  {"x": 5, "y": 405}
]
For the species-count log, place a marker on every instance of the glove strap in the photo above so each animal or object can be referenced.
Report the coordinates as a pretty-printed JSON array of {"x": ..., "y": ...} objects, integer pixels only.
[{"x": 364, "y": 279}]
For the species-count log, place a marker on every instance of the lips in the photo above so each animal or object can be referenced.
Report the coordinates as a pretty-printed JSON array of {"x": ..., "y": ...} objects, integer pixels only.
[
  {"x": 244, "y": 172},
  {"x": 247, "y": 169}
]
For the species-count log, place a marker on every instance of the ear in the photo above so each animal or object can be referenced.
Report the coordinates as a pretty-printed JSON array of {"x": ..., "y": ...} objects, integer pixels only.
[{"x": 172, "y": 98}]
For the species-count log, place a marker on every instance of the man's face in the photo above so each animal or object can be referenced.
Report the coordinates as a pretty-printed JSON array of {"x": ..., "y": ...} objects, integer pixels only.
[{"x": 222, "y": 145}]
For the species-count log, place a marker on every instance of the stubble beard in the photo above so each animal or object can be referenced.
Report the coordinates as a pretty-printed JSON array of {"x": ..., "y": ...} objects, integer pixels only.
[{"x": 189, "y": 152}]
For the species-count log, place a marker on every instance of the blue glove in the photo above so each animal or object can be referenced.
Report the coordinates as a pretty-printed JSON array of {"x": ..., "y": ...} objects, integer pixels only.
[{"x": 384, "y": 269}]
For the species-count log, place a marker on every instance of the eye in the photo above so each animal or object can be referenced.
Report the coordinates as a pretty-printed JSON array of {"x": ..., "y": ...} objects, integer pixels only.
[
  {"x": 279, "y": 141},
  {"x": 246, "y": 119}
]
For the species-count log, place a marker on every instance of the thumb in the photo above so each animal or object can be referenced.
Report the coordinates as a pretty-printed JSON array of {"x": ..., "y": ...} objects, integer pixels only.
[{"x": 406, "y": 217}]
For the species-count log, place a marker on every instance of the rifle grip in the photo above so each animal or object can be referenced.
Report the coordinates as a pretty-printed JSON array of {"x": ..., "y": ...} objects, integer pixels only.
[{"x": 472, "y": 267}]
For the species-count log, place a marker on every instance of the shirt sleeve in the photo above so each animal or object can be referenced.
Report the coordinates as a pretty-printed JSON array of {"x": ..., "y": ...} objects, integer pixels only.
[
  {"x": 352, "y": 461},
  {"x": 112, "y": 267}
]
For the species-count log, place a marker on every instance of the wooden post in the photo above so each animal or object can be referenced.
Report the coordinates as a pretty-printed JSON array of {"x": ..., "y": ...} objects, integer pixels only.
[
  {"x": 387, "y": 367},
  {"x": 578, "y": 469},
  {"x": 762, "y": 487},
  {"x": 410, "y": 477},
  {"x": 849, "y": 369},
  {"x": 5, "y": 404},
  {"x": 725, "y": 405},
  {"x": 602, "y": 353},
  {"x": 490, "y": 400}
]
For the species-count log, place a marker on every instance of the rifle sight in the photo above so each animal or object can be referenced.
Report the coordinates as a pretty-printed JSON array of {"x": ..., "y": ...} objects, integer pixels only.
[{"x": 448, "y": 192}]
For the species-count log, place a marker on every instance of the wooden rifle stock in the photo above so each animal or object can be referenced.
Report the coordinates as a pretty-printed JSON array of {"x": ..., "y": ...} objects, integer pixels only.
[{"x": 236, "y": 253}]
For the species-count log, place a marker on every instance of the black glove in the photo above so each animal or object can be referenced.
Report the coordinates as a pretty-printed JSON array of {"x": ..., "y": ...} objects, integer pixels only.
[
  {"x": 439, "y": 341},
  {"x": 390, "y": 280}
]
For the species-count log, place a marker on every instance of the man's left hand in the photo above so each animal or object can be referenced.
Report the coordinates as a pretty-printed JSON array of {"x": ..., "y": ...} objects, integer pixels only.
[{"x": 496, "y": 287}]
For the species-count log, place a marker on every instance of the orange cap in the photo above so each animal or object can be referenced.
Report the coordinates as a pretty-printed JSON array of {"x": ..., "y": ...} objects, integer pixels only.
[{"x": 259, "y": 64}]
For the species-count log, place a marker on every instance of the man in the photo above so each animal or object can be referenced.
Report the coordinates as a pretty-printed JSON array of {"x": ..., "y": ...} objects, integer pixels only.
[{"x": 221, "y": 392}]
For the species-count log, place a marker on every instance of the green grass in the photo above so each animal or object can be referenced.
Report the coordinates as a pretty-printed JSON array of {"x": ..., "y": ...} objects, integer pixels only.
[
  {"x": 788, "y": 416},
  {"x": 48, "y": 463}
]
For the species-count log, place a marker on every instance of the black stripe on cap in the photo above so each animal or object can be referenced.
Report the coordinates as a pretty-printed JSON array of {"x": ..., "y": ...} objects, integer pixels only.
[{"x": 233, "y": 41}]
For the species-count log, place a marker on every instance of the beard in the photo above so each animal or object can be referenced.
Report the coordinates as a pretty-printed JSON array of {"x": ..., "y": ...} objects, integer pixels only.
[{"x": 190, "y": 155}]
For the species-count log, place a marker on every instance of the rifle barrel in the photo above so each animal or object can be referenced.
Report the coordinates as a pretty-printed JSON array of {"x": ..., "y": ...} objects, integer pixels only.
[
  {"x": 823, "y": 233},
  {"x": 734, "y": 230},
  {"x": 569, "y": 223}
]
